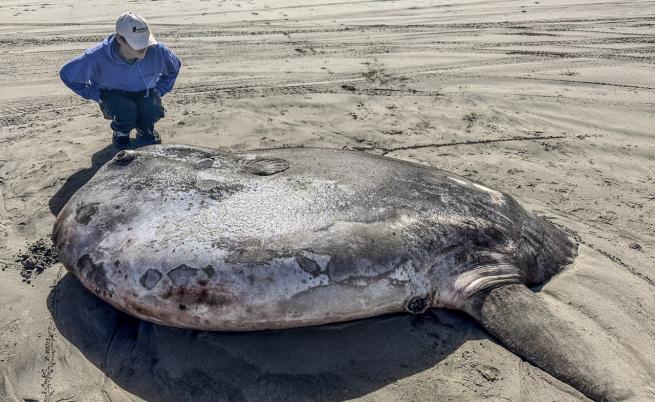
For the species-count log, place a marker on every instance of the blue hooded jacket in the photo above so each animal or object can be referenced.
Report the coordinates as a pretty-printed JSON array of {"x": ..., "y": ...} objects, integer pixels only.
[{"x": 100, "y": 67}]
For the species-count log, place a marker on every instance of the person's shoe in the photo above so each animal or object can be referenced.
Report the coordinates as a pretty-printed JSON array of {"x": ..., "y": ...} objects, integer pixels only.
[
  {"x": 148, "y": 137},
  {"x": 121, "y": 139}
]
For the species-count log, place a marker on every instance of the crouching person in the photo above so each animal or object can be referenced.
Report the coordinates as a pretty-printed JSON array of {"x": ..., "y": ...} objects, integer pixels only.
[{"x": 127, "y": 74}]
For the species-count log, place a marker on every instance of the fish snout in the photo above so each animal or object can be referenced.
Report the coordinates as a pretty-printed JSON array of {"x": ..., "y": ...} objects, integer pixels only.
[{"x": 124, "y": 157}]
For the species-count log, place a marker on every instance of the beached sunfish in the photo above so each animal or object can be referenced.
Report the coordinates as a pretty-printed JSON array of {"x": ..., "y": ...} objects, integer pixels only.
[{"x": 199, "y": 238}]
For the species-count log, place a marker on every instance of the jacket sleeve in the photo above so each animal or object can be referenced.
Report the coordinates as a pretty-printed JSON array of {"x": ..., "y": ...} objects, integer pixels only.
[
  {"x": 169, "y": 73},
  {"x": 77, "y": 74}
]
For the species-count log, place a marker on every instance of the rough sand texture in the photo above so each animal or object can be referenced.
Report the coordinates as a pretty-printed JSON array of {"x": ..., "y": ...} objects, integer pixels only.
[{"x": 552, "y": 101}]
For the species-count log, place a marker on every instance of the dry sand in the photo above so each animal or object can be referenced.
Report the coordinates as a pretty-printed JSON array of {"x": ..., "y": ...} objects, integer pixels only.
[{"x": 552, "y": 101}]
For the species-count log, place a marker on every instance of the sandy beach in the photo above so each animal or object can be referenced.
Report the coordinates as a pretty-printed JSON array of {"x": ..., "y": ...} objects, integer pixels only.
[{"x": 551, "y": 101}]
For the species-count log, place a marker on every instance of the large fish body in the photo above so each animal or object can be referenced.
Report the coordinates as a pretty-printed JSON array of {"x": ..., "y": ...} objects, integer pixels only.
[{"x": 197, "y": 238}]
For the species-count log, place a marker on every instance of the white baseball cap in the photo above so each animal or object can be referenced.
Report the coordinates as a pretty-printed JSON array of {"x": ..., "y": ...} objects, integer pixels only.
[{"x": 134, "y": 28}]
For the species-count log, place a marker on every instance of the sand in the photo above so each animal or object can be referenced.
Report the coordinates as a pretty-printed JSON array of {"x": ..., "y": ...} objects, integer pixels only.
[{"x": 551, "y": 101}]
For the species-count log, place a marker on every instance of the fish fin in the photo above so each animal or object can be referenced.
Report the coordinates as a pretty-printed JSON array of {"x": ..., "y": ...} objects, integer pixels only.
[
  {"x": 263, "y": 166},
  {"x": 522, "y": 321}
]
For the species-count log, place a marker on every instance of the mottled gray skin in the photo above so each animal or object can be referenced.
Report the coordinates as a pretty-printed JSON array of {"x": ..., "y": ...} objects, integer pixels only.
[
  {"x": 197, "y": 238},
  {"x": 192, "y": 237}
]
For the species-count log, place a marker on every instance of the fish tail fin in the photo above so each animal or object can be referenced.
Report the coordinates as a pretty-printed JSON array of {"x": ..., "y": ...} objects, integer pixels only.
[{"x": 525, "y": 324}]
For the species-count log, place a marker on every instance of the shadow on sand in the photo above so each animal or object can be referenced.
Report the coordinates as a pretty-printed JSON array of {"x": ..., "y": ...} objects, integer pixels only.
[{"x": 326, "y": 363}]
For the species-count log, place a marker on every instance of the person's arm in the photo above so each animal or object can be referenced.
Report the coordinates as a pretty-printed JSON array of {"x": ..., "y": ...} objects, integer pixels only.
[
  {"x": 77, "y": 74},
  {"x": 169, "y": 74}
]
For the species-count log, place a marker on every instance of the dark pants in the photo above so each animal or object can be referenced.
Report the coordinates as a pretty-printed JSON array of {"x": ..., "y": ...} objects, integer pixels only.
[{"x": 128, "y": 110}]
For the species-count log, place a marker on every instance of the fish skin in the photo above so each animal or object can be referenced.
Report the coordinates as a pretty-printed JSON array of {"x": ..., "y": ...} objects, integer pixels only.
[{"x": 199, "y": 238}]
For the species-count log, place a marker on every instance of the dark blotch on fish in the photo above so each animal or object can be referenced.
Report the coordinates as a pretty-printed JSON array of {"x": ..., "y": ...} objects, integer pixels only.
[
  {"x": 209, "y": 271},
  {"x": 308, "y": 265},
  {"x": 150, "y": 279},
  {"x": 94, "y": 273},
  {"x": 85, "y": 212},
  {"x": 197, "y": 295},
  {"x": 182, "y": 274},
  {"x": 217, "y": 190}
]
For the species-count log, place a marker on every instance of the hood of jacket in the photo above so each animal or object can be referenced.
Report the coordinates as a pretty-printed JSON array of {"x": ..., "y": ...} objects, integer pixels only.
[{"x": 110, "y": 48}]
